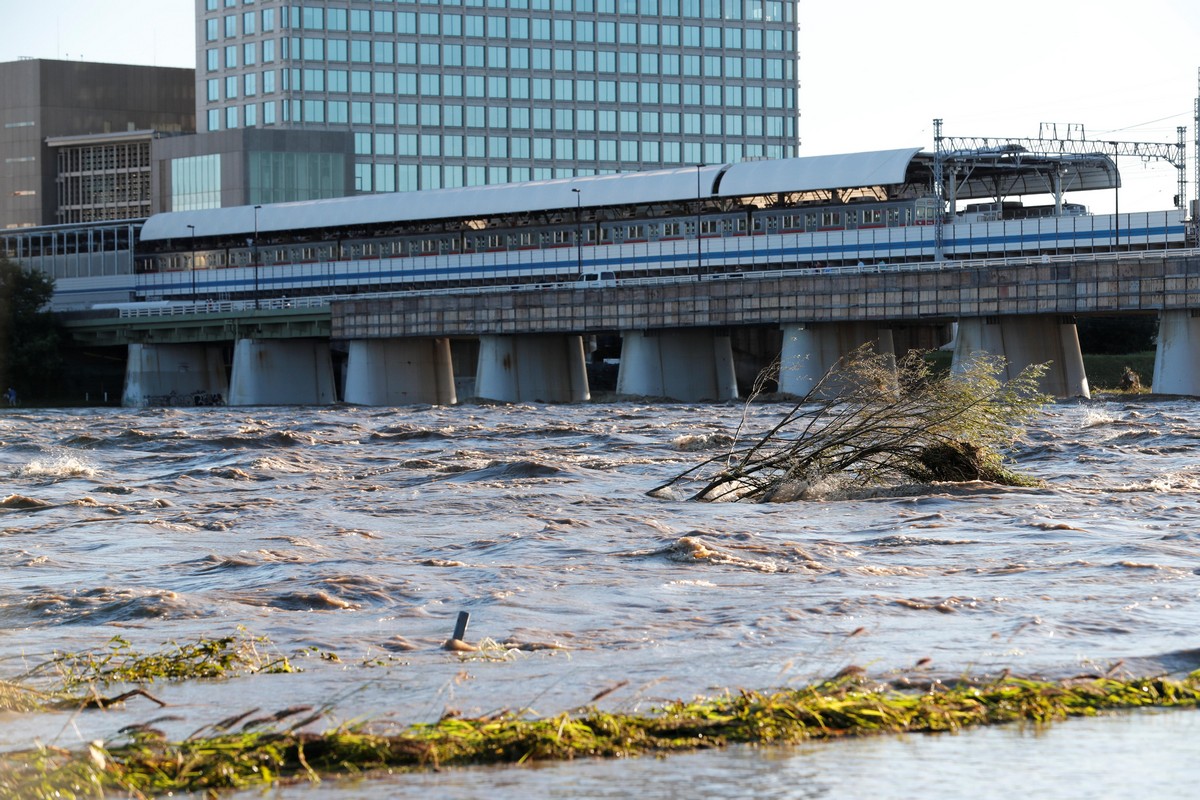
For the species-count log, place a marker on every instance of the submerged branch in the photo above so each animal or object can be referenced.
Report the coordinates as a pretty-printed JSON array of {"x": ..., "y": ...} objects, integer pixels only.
[{"x": 888, "y": 423}]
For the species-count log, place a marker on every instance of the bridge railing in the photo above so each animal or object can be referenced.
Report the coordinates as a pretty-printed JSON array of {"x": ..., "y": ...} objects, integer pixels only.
[{"x": 173, "y": 308}]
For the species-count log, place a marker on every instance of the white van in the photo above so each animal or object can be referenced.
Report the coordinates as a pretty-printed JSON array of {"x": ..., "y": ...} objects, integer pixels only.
[{"x": 596, "y": 280}]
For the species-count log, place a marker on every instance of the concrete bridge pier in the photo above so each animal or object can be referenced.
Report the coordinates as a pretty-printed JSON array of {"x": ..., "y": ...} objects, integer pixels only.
[
  {"x": 1025, "y": 340},
  {"x": 397, "y": 372},
  {"x": 686, "y": 365},
  {"x": 540, "y": 368},
  {"x": 811, "y": 349},
  {"x": 1177, "y": 356},
  {"x": 174, "y": 374},
  {"x": 269, "y": 372}
]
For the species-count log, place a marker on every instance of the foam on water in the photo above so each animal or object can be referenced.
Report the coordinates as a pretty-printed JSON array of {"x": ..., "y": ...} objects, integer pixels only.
[{"x": 57, "y": 467}]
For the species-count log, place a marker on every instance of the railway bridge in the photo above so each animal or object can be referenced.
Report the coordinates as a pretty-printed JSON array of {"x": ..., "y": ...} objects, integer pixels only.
[{"x": 678, "y": 334}]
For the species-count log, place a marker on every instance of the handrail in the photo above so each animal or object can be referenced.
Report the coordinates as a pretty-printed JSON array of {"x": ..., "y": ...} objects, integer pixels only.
[{"x": 170, "y": 309}]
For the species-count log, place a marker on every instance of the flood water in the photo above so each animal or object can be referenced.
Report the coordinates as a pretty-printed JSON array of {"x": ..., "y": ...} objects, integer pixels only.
[{"x": 351, "y": 538}]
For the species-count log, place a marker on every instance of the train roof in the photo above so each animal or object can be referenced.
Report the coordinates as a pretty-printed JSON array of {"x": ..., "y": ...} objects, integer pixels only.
[
  {"x": 626, "y": 188},
  {"x": 678, "y": 184}
]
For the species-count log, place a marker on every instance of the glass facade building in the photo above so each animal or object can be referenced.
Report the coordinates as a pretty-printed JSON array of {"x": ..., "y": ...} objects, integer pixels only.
[{"x": 447, "y": 93}]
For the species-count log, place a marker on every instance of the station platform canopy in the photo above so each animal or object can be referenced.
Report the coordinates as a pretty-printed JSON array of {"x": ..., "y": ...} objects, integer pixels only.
[{"x": 892, "y": 173}]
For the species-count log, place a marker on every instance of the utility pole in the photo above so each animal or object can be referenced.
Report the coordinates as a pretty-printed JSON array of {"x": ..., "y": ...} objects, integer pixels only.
[
  {"x": 255, "y": 256},
  {"x": 578, "y": 231},
  {"x": 192, "y": 265}
]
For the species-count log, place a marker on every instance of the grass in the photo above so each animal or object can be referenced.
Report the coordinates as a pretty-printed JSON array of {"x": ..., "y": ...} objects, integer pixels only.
[
  {"x": 262, "y": 752},
  {"x": 1104, "y": 372}
]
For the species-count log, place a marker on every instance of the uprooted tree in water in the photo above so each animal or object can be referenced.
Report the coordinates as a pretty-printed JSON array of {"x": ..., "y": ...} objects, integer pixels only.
[{"x": 872, "y": 422}]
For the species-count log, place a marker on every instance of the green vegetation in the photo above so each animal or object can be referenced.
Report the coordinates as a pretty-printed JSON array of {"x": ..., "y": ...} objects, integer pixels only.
[
  {"x": 207, "y": 658},
  {"x": 871, "y": 422},
  {"x": 71, "y": 680},
  {"x": 29, "y": 335},
  {"x": 264, "y": 753},
  {"x": 1106, "y": 372}
]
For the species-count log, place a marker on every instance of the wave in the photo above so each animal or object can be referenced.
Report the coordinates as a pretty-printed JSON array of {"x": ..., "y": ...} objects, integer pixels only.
[
  {"x": 506, "y": 471},
  {"x": 104, "y": 605},
  {"x": 409, "y": 435},
  {"x": 58, "y": 468},
  {"x": 262, "y": 440}
]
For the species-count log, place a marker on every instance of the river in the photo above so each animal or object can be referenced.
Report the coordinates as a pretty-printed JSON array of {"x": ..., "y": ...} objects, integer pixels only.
[{"x": 351, "y": 538}]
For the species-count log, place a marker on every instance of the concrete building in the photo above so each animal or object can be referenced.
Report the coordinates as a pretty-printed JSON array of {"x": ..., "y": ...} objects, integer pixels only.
[
  {"x": 251, "y": 166},
  {"x": 473, "y": 92},
  {"x": 75, "y": 137}
]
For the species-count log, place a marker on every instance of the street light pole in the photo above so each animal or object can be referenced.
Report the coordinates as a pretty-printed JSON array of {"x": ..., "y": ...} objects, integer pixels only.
[
  {"x": 192, "y": 265},
  {"x": 578, "y": 231},
  {"x": 1117, "y": 193},
  {"x": 699, "y": 202},
  {"x": 255, "y": 256}
]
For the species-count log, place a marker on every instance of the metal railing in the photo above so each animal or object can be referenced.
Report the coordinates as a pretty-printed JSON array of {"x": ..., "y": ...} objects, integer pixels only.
[{"x": 187, "y": 308}]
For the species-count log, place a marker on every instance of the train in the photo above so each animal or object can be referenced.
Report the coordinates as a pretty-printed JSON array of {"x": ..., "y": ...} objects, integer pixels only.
[{"x": 701, "y": 244}]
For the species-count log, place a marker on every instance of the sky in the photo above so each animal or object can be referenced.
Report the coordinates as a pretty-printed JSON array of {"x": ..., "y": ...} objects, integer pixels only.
[{"x": 873, "y": 73}]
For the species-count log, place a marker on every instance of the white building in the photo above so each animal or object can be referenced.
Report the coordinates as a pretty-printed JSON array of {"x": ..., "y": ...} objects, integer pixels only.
[{"x": 447, "y": 93}]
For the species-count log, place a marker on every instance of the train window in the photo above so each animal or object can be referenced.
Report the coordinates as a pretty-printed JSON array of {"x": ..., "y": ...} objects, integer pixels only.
[
  {"x": 870, "y": 216},
  {"x": 670, "y": 229},
  {"x": 637, "y": 232},
  {"x": 708, "y": 227},
  {"x": 607, "y": 235},
  {"x": 523, "y": 239},
  {"x": 739, "y": 225},
  {"x": 831, "y": 219},
  {"x": 495, "y": 240},
  {"x": 561, "y": 237},
  {"x": 792, "y": 222}
]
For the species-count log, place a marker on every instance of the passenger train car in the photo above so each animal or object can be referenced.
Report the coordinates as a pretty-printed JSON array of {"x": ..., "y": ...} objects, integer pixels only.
[
  {"x": 697, "y": 222},
  {"x": 823, "y": 236}
]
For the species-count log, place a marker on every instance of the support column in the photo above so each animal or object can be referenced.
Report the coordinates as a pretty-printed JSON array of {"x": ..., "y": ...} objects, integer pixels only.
[
  {"x": 398, "y": 372},
  {"x": 811, "y": 349},
  {"x": 691, "y": 365},
  {"x": 1177, "y": 356},
  {"x": 174, "y": 375},
  {"x": 1023, "y": 341},
  {"x": 270, "y": 372},
  {"x": 539, "y": 368}
]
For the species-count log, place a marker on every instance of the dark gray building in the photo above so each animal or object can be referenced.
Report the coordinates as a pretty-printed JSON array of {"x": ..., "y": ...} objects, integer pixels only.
[{"x": 117, "y": 108}]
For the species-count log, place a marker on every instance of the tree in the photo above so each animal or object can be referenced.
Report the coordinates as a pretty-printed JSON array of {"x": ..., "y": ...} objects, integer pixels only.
[
  {"x": 884, "y": 424},
  {"x": 30, "y": 360}
]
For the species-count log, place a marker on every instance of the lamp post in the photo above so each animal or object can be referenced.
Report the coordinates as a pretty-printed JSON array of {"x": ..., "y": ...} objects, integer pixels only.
[
  {"x": 255, "y": 256},
  {"x": 192, "y": 265},
  {"x": 699, "y": 241},
  {"x": 1116, "y": 194},
  {"x": 578, "y": 231}
]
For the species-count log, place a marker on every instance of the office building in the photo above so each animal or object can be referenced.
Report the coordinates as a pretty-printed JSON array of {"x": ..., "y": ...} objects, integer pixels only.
[
  {"x": 472, "y": 92},
  {"x": 75, "y": 137}
]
